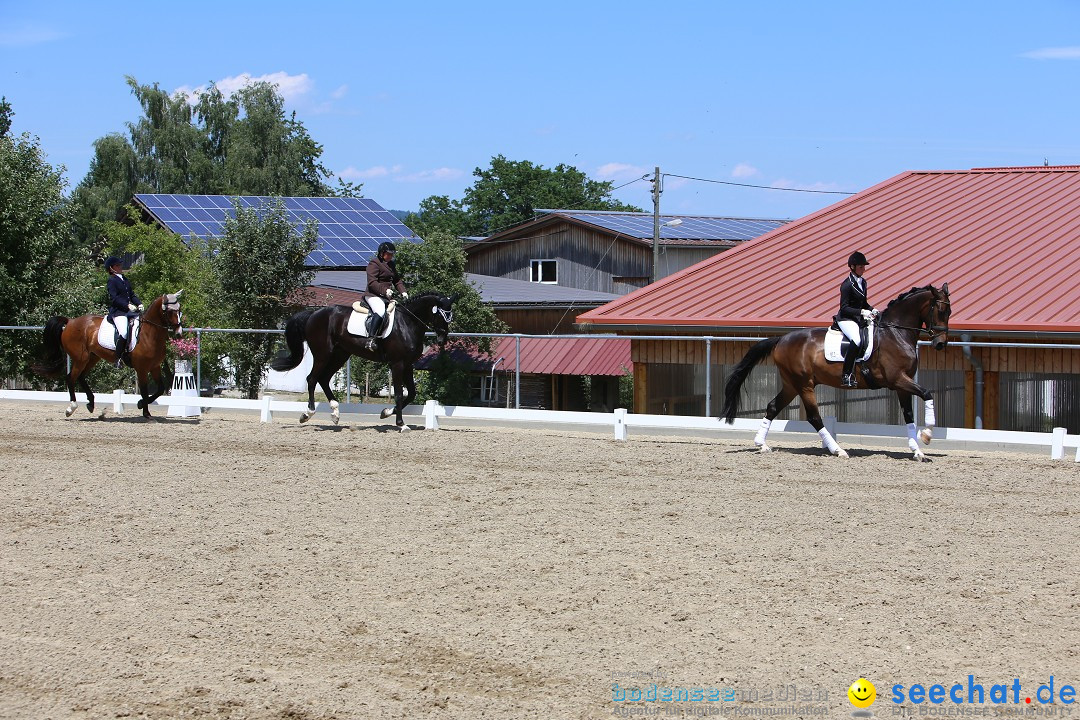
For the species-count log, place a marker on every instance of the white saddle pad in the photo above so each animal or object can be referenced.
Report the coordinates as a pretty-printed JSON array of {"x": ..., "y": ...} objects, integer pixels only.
[
  {"x": 834, "y": 339},
  {"x": 357, "y": 324},
  {"x": 106, "y": 334}
]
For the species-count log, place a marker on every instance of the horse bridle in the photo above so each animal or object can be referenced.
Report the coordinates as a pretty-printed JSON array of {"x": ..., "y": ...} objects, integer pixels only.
[
  {"x": 447, "y": 316},
  {"x": 167, "y": 307},
  {"x": 930, "y": 328}
]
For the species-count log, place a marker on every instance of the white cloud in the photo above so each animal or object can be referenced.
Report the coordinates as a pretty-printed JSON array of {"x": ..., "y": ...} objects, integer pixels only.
[
  {"x": 619, "y": 171},
  {"x": 1058, "y": 53},
  {"x": 792, "y": 185},
  {"x": 340, "y": 92},
  {"x": 290, "y": 87},
  {"x": 28, "y": 35},
  {"x": 742, "y": 170},
  {"x": 436, "y": 175},
  {"x": 352, "y": 173}
]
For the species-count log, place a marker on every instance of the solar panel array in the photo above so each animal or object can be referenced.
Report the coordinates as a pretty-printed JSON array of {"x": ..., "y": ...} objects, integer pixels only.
[
  {"x": 350, "y": 229},
  {"x": 640, "y": 225}
]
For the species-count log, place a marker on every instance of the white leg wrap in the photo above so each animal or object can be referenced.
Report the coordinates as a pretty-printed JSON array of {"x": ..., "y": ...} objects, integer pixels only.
[
  {"x": 763, "y": 432},
  {"x": 931, "y": 419},
  {"x": 912, "y": 443},
  {"x": 71, "y": 408},
  {"x": 830, "y": 443},
  {"x": 335, "y": 415}
]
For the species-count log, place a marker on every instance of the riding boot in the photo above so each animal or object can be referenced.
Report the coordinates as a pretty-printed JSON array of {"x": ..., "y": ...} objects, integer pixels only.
[
  {"x": 849, "y": 366},
  {"x": 122, "y": 356},
  {"x": 372, "y": 325}
]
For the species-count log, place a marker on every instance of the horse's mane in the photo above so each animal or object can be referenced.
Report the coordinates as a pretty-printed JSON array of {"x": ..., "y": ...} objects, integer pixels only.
[
  {"x": 908, "y": 293},
  {"x": 425, "y": 296}
]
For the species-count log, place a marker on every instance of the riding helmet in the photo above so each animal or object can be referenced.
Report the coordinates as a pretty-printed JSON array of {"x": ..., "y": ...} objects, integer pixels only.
[
  {"x": 857, "y": 258},
  {"x": 386, "y": 247},
  {"x": 110, "y": 261}
]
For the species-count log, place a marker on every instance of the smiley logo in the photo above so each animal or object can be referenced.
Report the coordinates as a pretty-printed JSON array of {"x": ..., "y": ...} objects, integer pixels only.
[{"x": 862, "y": 693}]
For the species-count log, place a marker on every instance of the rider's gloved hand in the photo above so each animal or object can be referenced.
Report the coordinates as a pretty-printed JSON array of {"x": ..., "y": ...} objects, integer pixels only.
[
  {"x": 141, "y": 307},
  {"x": 404, "y": 296},
  {"x": 390, "y": 294},
  {"x": 131, "y": 307},
  {"x": 867, "y": 314}
]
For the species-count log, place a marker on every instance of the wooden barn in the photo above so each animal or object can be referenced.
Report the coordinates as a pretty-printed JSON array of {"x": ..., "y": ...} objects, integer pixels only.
[
  {"x": 1007, "y": 240},
  {"x": 607, "y": 252}
]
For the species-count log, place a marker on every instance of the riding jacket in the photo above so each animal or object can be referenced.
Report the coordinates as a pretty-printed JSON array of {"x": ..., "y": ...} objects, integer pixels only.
[
  {"x": 853, "y": 292},
  {"x": 382, "y": 276},
  {"x": 121, "y": 296}
]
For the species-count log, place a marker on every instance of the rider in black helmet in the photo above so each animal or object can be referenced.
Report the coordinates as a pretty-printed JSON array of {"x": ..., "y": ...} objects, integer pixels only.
[
  {"x": 384, "y": 283},
  {"x": 123, "y": 305},
  {"x": 855, "y": 314}
]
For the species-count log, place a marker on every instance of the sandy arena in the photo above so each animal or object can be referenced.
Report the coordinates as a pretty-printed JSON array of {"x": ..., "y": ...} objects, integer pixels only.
[{"x": 224, "y": 568}]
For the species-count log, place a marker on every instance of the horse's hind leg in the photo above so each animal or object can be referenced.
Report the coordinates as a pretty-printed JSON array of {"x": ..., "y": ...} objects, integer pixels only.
[
  {"x": 335, "y": 363},
  {"x": 86, "y": 389},
  {"x": 397, "y": 373},
  {"x": 778, "y": 403},
  {"x": 809, "y": 399}
]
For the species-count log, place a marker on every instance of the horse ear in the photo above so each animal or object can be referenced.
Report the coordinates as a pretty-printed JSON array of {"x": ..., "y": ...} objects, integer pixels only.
[
  {"x": 945, "y": 288},
  {"x": 179, "y": 292},
  {"x": 454, "y": 297}
]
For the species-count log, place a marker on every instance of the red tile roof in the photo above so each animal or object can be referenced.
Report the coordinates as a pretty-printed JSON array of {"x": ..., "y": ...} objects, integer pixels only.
[
  {"x": 1007, "y": 240},
  {"x": 554, "y": 356}
]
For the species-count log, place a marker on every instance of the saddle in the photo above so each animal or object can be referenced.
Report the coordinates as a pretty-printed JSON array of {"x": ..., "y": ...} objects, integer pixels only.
[
  {"x": 357, "y": 324},
  {"x": 106, "y": 336},
  {"x": 837, "y": 343}
]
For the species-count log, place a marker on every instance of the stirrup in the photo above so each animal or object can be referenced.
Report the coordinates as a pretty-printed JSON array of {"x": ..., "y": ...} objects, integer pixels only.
[{"x": 849, "y": 380}]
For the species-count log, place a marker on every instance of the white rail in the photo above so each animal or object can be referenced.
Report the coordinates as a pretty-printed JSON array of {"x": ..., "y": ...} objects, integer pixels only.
[{"x": 620, "y": 420}]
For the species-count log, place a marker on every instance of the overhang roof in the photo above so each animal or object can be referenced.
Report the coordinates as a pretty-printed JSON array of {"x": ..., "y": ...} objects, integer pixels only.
[
  {"x": 551, "y": 356},
  {"x": 1007, "y": 240}
]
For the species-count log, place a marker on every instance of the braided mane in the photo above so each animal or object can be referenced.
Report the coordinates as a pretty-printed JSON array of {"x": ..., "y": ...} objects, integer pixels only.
[{"x": 913, "y": 291}]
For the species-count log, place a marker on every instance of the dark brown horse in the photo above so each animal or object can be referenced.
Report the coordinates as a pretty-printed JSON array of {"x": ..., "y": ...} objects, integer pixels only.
[
  {"x": 800, "y": 358},
  {"x": 77, "y": 338},
  {"x": 331, "y": 344}
]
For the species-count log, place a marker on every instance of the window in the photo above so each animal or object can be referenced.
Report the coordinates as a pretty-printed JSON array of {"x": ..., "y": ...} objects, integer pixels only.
[{"x": 543, "y": 271}]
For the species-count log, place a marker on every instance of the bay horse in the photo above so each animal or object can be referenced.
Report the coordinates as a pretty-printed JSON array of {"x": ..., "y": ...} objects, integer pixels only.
[
  {"x": 77, "y": 338},
  {"x": 331, "y": 345},
  {"x": 800, "y": 358}
]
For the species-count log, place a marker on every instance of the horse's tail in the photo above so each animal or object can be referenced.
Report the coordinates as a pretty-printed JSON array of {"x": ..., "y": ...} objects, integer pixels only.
[
  {"x": 53, "y": 361},
  {"x": 756, "y": 354},
  {"x": 295, "y": 334}
]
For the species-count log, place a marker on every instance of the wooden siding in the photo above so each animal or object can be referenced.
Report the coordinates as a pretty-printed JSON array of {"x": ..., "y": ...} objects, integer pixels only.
[{"x": 539, "y": 321}]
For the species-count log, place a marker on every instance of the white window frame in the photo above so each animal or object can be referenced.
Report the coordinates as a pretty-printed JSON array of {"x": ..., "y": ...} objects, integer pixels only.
[{"x": 536, "y": 270}]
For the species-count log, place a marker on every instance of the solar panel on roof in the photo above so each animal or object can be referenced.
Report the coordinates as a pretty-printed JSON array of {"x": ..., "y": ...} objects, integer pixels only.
[
  {"x": 640, "y": 225},
  {"x": 356, "y": 225}
]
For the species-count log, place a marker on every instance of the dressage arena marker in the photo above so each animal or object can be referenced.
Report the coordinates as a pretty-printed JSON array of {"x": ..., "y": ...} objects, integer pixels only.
[{"x": 619, "y": 420}]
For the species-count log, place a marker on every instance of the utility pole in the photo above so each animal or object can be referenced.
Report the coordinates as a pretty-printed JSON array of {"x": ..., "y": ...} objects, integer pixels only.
[{"x": 656, "y": 225}]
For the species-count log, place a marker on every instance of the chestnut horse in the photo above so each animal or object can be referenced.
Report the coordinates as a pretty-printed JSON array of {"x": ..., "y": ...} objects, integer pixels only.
[
  {"x": 800, "y": 358},
  {"x": 330, "y": 343},
  {"x": 77, "y": 338}
]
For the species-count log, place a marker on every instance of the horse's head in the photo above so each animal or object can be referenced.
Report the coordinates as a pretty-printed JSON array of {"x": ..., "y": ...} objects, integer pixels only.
[
  {"x": 171, "y": 317},
  {"x": 442, "y": 314},
  {"x": 936, "y": 316}
]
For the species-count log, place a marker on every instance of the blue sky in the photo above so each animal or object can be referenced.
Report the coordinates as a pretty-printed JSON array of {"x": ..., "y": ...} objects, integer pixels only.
[{"x": 409, "y": 97}]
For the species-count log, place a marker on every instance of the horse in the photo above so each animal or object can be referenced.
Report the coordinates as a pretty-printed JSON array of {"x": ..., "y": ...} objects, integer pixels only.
[
  {"x": 331, "y": 345},
  {"x": 77, "y": 338},
  {"x": 800, "y": 358}
]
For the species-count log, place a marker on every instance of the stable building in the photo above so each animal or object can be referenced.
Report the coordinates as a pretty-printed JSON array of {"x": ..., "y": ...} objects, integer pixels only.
[{"x": 1007, "y": 240}]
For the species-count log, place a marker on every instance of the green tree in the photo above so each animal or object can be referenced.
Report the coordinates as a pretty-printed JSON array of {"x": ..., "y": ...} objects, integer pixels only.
[
  {"x": 438, "y": 264},
  {"x": 508, "y": 193},
  {"x": 6, "y": 113},
  {"x": 44, "y": 271},
  {"x": 259, "y": 264}
]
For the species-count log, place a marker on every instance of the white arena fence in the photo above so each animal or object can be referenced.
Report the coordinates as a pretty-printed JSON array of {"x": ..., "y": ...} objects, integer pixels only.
[{"x": 620, "y": 420}]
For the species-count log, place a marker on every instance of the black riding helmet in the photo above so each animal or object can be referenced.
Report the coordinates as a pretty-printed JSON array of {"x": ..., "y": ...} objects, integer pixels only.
[
  {"x": 857, "y": 258},
  {"x": 386, "y": 247},
  {"x": 111, "y": 261}
]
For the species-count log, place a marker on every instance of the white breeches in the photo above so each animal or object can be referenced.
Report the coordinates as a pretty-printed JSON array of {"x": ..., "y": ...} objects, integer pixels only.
[
  {"x": 121, "y": 323},
  {"x": 377, "y": 305},
  {"x": 851, "y": 329}
]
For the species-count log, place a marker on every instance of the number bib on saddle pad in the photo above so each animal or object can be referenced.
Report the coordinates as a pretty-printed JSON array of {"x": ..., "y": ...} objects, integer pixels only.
[
  {"x": 357, "y": 324},
  {"x": 106, "y": 334},
  {"x": 836, "y": 343}
]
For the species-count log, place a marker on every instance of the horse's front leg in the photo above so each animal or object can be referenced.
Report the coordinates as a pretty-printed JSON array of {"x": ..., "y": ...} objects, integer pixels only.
[
  {"x": 906, "y": 384},
  {"x": 909, "y": 418},
  {"x": 142, "y": 380},
  {"x": 400, "y": 397},
  {"x": 809, "y": 399}
]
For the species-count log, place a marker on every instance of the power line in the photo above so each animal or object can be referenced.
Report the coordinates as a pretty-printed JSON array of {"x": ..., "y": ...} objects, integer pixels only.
[{"x": 760, "y": 187}]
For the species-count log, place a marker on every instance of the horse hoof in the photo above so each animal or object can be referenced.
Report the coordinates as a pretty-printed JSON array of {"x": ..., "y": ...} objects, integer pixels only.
[
  {"x": 404, "y": 428},
  {"x": 141, "y": 405},
  {"x": 763, "y": 448},
  {"x": 919, "y": 456},
  {"x": 385, "y": 413},
  {"x": 335, "y": 413},
  {"x": 841, "y": 453},
  {"x": 304, "y": 417},
  {"x": 926, "y": 435},
  {"x": 71, "y": 409}
]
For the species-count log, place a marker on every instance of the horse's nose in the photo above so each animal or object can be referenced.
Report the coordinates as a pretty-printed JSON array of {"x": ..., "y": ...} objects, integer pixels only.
[{"x": 939, "y": 345}]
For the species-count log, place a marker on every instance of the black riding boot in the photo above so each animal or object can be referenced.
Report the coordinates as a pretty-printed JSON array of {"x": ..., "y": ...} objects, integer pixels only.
[
  {"x": 374, "y": 328},
  {"x": 849, "y": 366},
  {"x": 122, "y": 356}
]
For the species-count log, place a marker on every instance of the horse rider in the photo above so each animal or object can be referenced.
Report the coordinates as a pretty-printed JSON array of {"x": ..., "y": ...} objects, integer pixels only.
[
  {"x": 123, "y": 305},
  {"x": 384, "y": 286},
  {"x": 855, "y": 314}
]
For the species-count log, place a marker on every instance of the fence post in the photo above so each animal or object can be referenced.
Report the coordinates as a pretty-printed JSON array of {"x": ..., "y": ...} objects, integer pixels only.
[
  {"x": 267, "y": 416},
  {"x": 708, "y": 377},
  {"x": 620, "y": 423},
  {"x": 431, "y": 418},
  {"x": 517, "y": 372},
  {"x": 1057, "y": 447},
  {"x": 118, "y": 402},
  {"x": 198, "y": 362}
]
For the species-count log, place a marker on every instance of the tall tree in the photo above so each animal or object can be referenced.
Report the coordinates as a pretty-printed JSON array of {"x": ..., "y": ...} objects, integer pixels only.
[
  {"x": 509, "y": 192},
  {"x": 44, "y": 271},
  {"x": 259, "y": 264},
  {"x": 6, "y": 114}
]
